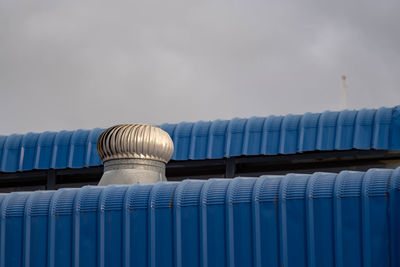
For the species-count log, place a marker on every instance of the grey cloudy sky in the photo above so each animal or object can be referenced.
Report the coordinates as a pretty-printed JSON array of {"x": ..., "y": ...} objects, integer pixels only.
[{"x": 85, "y": 64}]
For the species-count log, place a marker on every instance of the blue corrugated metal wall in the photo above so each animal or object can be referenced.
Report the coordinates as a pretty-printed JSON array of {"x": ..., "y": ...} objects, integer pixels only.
[
  {"x": 324, "y": 219},
  {"x": 348, "y": 129}
]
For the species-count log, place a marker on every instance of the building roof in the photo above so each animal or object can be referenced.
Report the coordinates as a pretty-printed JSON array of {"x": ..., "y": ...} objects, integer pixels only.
[
  {"x": 331, "y": 130},
  {"x": 323, "y": 219}
]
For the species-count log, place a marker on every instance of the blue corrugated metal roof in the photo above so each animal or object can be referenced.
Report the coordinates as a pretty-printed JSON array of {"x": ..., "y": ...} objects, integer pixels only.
[
  {"x": 330, "y": 130},
  {"x": 323, "y": 219},
  {"x": 49, "y": 150}
]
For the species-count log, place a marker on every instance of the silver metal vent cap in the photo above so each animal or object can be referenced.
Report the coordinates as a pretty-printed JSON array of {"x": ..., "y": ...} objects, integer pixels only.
[{"x": 135, "y": 141}]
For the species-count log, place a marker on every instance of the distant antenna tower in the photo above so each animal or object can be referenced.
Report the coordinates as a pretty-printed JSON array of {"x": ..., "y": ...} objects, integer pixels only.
[{"x": 344, "y": 92}]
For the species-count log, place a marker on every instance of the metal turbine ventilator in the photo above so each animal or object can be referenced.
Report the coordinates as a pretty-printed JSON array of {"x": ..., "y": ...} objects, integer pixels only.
[{"x": 134, "y": 153}]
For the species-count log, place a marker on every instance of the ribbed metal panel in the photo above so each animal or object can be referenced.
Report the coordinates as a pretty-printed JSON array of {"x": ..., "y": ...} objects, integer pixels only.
[
  {"x": 187, "y": 222},
  {"x": 135, "y": 225},
  {"x": 35, "y": 247},
  {"x": 344, "y": 130},
  {"x": 323, "y": 219},
  {"x": 60, "y": 225}
]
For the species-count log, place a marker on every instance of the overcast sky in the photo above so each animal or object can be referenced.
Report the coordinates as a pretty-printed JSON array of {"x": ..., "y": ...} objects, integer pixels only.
[{"x": 86, "y": 64}]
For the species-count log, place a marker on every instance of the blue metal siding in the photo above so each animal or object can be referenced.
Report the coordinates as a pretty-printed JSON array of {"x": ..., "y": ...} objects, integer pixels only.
[
  {"x": 182, "y": 136},
  {"x": 394, "y": 218},
  {"x": 394, "y": 133},
  {"x": 28, "y": 151},
  {"x": 216, "y": 139},
  {"x": 199, "y": 142},
  {"x": 293, "y": 245},
  {"x": 212, "y": 223},
  {"x": 35, "y": 224},
  {"x": 60, "y": 228},
  {"x": 273, "y": 135},
  {"x": 327, "y": 131},
  {"x": 187, "y": 223},
  {"x": 11, "y": 153},
  {"x": 363, "y": 128},
  {"x": 320, "y": 239},
  {"x": 135, "y": 226},
  {"x": 265, "y": 218},
  {"x": 44, "y": 150},
  {"x": 323, "y": 219},
  {"x": 239, "y": 222},
  {"x": 309, "y": 132},
  {"x": 78, "y": 145},
  {"x": 345, "y": 129},
  {"x": 253, "y": 136},
  {"x": 161, "y": 220},
  {"x": 235, "y": 137}
]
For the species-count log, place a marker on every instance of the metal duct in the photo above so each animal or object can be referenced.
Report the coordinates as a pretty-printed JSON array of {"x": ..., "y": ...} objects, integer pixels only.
[{"x": 134, "y": 153}]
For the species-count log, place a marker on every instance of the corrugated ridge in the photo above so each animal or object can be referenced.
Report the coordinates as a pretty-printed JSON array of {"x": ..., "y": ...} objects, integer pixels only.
[
  {"x": 321, "y": 185},
  {"x": 363, "y": 129},
  {"x": 38, "y": 203},
  {"x": 188, "y": 193},
  {"x": 15, "y": 204},
  {"x": 366, "y": 117},
  {"x": 216, "y": 144},
  {"x": 273, "y": 123},
  {"x": 328, "y": 119},
  {"x": 11, "y": 153},
  {"x": 162, "y": 195},
  {"x": 112, "y": 197},
  {"x": 214, "y": 192},
  {"x": 137, "y": 196},
  {"x": 182, "y": 138},
  {"x": 87, "y": 198},
  {"x": 294, "y": 186},
  {"x": 255, "y": 124},
  {"x": 383, "y": 116},
  {"x": 2, "y": 197},
  {"x": 92, "y": 157},
  {"x": 240, "y": 190},
  {"x": 395, "y": 180},
  {"x": 28, "y": 151},
  {"x": 218, "y": 127},
  {"x": 290, "y": 122},
  {"x": 68, "y": 149},
  {"x": 235, "y": 137},
  {"x": 237, "y": 125},
  {"x": 308, "y": 132},
  {"x": 253, "y": 136},
  {"x": 63, "y": 201},
  {"x": 345, "y": 130},
  {"x": 310, "y": 120},
  {"x": 13, "y": 141},
  {"x": 61, "y": 150},
  {"x": 348, "y": 184},
  {"x": 347, "y": 117},
  {"x": 376, "y": 182},
  {"x": 79, "y": 145},
  {"x": 44, "y": 151},
  {"x": 259, "y": 235},
  {"x": 326, "y": 135},
  {"x": 266, "y": 188},
  {"x": 395, "y": 129},
  {"x": 183, "y": 129},
  {"x": 201, "y": 128},
  {"x": 199, "y": 140}
]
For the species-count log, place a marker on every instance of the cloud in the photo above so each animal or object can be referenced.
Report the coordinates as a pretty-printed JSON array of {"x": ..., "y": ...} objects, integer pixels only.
[{"x": 86, "y": 64}]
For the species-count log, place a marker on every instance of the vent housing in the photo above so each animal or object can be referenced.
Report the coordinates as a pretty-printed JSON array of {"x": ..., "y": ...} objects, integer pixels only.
[{"x": 134, "y": 153}]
